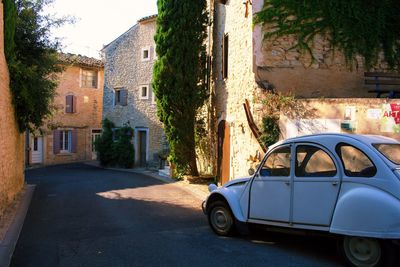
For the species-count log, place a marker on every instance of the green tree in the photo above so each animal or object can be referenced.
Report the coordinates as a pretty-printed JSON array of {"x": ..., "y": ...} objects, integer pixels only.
[
  {"x": 32, "y": 60},
  {"x": 179, "y": 75},
  {"x": 355, "y": 27}
]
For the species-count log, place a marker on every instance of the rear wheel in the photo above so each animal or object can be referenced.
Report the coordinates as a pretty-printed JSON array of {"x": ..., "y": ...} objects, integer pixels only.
[
  {"x": 221, "y": 219},
  {"x": 362, "y": 251}
]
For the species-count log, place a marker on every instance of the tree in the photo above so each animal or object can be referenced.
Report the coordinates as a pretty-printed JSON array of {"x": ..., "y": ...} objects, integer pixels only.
[
  {"x": 179, "y": 75},
  {"x": 355, "y": 27},
  {"x": 32, "y": 60}
]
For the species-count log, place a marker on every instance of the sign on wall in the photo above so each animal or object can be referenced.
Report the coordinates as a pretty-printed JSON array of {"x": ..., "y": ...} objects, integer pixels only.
[{"x": 390, "y": 120}]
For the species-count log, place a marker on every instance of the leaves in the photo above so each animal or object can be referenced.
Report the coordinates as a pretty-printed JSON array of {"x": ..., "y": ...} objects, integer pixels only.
[
  {"x": 179, "y": 75},
  {"x": 355, "y": 27}
]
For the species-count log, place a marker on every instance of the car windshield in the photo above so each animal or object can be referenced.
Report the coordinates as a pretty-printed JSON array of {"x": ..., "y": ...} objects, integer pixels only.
[{"x": 390, "y": 151}]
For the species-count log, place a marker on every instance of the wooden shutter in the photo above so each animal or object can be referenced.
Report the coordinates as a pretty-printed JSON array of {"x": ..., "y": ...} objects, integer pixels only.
[
  {"x": 56, "y": 141},
  {"x": 74, "y": 102},
  {"x": 68, "y": 103},
  {"x": 74, "y": 141}
]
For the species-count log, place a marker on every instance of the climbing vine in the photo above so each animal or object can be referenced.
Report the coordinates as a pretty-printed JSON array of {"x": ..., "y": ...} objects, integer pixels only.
[{"x": 354, "y": 27}]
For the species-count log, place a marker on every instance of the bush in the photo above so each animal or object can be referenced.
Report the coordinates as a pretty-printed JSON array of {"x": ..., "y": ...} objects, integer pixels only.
[
  {"x": 114, "y": 146},
  {"x": 270, "y": 130}
]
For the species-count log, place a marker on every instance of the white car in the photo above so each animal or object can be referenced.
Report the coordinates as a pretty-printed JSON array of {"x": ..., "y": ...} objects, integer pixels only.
[{"x": 347, "y": 185}]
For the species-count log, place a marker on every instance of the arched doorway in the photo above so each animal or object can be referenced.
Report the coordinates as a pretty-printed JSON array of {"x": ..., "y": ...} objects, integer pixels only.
[{"x": 224, "y": 151}]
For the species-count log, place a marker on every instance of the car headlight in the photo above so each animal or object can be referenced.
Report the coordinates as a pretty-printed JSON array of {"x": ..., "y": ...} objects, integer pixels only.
[{"x": 212, "y": 187}]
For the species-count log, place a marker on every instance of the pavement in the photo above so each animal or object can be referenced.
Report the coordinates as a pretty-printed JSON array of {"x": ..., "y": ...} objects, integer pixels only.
[{"x": 7, "y": 245}]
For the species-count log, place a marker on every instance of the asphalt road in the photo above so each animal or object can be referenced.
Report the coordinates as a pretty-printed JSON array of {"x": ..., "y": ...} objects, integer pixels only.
[{"x": 86, "y": 216}]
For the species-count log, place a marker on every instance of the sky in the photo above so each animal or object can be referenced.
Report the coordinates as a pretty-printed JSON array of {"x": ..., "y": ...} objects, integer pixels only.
[{"x": 98, "y": 22}]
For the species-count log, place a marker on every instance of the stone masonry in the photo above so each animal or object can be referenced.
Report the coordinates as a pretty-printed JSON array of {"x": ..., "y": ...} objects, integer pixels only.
[
  {"x": 126, "y": 69},
  {"x": 88, "y": 114},
  {"x": 11, "y": 140}
]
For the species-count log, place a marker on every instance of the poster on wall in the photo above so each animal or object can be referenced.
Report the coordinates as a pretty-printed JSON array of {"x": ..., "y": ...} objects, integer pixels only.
[{"x": 390, "y": 121}]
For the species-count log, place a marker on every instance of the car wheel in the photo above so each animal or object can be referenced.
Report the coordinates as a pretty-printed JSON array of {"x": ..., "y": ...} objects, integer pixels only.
[
  {"x": 362, "y": 251},
  {"x": 221, "y": 219}
]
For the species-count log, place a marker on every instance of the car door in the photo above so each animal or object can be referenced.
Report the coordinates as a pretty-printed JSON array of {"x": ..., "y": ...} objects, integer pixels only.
[
  {"x": 316, "y": 185},
  {"x": 270, "y": 192}
]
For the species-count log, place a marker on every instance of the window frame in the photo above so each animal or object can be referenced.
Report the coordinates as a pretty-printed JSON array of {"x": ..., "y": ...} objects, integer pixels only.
[
  {"x": 318, "y": 148},
  {"x": 141, "y": 91},
  {"x": 118, "y": 101},
  {"x": 73, "y": 104},
  {"x": 83, "y": 82},
  {"x": 346, "y": 173},
  {"x": 285, "y": 146},
  {"x": 146, "y": 48},
  {"x": 63, "y": 148}
]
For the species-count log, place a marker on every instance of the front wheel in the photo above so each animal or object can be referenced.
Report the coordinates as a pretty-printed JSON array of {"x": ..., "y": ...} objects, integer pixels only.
[
  {"x": 221, "y": 219},
  {"x": 362, "y": 251}
]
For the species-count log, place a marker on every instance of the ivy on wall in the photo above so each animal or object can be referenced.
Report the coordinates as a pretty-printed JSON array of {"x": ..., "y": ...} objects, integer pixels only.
[{"x": 354, "y": 27}]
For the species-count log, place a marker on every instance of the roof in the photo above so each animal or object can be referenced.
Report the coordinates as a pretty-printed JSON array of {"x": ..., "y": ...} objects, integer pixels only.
[
  {"x": 80, "y": 60},
  {"x": 144, "y": 19},
  {"x": 148, "y": 18},
  {"x": 364, "y": 138}
]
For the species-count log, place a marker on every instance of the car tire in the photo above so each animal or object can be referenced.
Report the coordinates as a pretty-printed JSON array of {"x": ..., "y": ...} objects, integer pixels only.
[
  {"x": 221, "y": 219},
  {"x": 362, "y": 251}
]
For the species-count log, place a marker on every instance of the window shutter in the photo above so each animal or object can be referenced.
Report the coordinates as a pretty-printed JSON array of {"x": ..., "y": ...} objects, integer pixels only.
[
  {"x": 74, "y": 141},
  {"x": 56, "y": 141},
  {"x": 68, "y": 104},
  {"x": 74, "y": 102},
  {"x": 124, "y": 97}
]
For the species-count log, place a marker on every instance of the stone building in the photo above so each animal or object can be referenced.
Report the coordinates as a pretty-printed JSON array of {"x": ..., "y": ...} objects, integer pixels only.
[
  {"x": 69, "y": 134},
  {"x": 128, "y": 96},
  {"x": 11, "y": 140},
  {"x": 328, "y": 97}
]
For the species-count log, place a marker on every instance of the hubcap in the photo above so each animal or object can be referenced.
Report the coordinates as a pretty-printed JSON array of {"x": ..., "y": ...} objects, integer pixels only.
[
  {"x": 362, "y": 250},
  {"x": 220, "y": 219}
]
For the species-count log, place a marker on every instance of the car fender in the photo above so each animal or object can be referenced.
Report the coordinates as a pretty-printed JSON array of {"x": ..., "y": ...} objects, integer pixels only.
[
  {"x": 364, "y": 210},
  {"x": 231, "y": 197}
]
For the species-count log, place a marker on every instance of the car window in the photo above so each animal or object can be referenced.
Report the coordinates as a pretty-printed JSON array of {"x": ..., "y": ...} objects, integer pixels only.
[
  {"x": 277, "y": 163},
  {"x": 390, "y": 151},
  {"x": 355, "y": 162},
  {"x": 312, "y": 161}
]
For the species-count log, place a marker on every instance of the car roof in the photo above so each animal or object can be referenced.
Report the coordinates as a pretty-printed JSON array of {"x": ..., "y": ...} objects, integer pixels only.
[{"x": 363, "y": 138}]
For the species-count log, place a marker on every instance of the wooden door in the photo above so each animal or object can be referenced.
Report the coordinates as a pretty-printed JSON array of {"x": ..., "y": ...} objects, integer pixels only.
[
  {"x": 37, "y": 150},
  {"x": 224, "y": 151},
  {"x": 142, "y": 148}
]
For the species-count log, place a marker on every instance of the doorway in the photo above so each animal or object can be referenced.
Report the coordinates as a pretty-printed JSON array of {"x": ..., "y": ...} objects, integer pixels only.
[
  {"x": 224, "y": 152},
  {"x": 141, "y": 146},
  {"x": 95, "y": 135},
  {"x": 37, "y": 150}
]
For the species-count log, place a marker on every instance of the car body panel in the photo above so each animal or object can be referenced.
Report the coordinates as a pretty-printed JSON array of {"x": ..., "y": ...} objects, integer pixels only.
[{"x": 358, "y": 206}]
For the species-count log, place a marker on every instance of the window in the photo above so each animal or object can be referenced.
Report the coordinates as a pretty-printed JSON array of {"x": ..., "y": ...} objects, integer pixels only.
[
  {"x": 65, "y": 141},
  {"x": 144, "y": 92},
  {"x": 89, "y": 78},
  {"x": 277, "y": 163},
  {"x": 390, "y": 151},
  {"x": 121, "y": 97},
  {"x": 225, "y": 52},
  {"x": 355, "y": 162},
  {"x": 313, "y": 162},
  {"x": 145, "y": 54},
  {"x": 70, "y": 104}
]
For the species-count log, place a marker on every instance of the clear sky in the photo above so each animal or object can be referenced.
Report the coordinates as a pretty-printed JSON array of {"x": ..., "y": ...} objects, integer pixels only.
[{"x": 98, "y": 22}]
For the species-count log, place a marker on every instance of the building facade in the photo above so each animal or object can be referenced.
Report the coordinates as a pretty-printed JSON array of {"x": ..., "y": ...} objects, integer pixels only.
[
  {"x": 128, "y": 95},
  {"x": 327, "y": 96},
  {"x": 68, "y": 136},
  {"x": 11, "y": 140}
]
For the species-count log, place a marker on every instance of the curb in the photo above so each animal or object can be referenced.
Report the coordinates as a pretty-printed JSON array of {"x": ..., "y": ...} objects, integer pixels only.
[{"x": 9, "y": 242}]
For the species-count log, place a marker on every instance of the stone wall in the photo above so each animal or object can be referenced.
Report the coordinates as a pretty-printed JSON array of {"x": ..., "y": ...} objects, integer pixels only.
[
  {"x": 87, "y": 117},
  {"x": 292, "y": 71},
  {"x": 11, "y": 141},
  {"x": 124, "y": 68},
  {"x": 230, "y": 93}
]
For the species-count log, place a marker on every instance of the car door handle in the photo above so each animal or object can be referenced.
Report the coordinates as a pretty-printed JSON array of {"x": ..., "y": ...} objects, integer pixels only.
[
  {"x": 335, "y": 183},
  {"x": 287, "y": 183}
]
